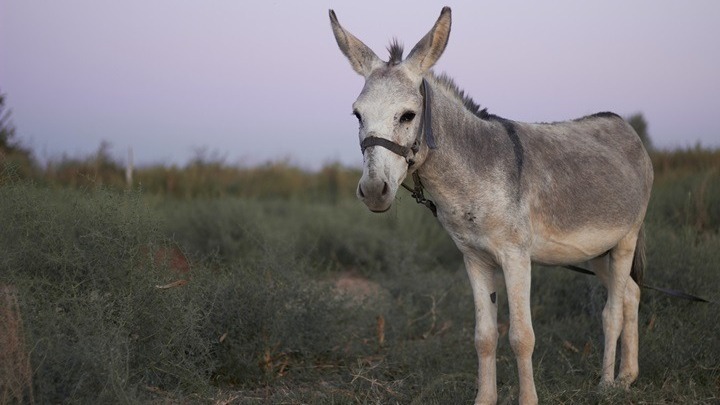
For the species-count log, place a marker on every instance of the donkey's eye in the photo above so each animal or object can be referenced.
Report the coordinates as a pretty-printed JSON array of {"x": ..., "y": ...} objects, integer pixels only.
[
  {"x": 358, "y": 116},
  {"x": 407, "y": 117}
]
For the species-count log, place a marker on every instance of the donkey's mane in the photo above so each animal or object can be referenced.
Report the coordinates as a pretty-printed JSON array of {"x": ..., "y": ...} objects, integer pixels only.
[
  {"x": 396, "y": 52},
  {"x": 447, "y": 82}
]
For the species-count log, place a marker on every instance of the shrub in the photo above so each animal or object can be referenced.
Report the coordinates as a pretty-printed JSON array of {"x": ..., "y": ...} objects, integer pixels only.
[{"x": 98, "y": 328}]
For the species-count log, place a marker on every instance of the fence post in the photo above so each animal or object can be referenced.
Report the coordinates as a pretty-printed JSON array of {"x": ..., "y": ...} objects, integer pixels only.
[{"x": 129, "y": 168}]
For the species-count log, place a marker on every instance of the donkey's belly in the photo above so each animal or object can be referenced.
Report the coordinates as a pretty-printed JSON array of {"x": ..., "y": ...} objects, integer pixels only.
[{"x": 574, "y": 247}]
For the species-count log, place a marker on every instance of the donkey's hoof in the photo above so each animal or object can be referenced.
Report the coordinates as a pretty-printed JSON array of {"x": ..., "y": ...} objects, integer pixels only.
[
  {"x": 613, "y": 387},
  {"x": 624, "y": 380},
  {"x": 606, "y": 385}
]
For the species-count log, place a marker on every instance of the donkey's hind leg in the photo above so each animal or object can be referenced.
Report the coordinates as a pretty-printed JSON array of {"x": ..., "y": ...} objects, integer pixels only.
[
  {"x": 629, "y": 337},
  {"x": 614, "y": 273}
]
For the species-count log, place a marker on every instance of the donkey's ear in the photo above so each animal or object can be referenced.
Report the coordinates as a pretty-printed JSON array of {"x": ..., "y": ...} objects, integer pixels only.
[
  {"x": 424, "y": 55},
  {"x": 362, "y": 58}
]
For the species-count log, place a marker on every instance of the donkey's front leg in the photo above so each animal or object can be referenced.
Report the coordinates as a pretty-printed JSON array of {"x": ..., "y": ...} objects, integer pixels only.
[
  {"x": 482, "y": 280},
  {"x": 516, "y": 268}
]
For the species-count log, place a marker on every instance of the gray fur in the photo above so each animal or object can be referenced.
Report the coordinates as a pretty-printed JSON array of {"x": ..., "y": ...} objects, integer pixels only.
[{"x": 602, "y": 150}]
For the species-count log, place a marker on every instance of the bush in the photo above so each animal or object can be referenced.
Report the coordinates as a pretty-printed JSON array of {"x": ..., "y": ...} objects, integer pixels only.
[
  {"x": 88, "y": 276},
  {"x": 98, "y": 328}
]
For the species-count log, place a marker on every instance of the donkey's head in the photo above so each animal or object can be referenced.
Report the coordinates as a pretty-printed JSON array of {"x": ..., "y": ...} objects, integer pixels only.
[{"x": 390, "y": 108}]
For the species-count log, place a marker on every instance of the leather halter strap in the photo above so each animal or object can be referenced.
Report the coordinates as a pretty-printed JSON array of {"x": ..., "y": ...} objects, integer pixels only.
[
  {"x": 427, "y": 116},
  {"x": 408, "y": 152},
  {"x": 396, "y": 148}
]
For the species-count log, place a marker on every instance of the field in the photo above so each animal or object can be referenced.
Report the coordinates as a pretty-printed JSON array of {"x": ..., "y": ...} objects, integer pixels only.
[{"x": 279, "y": 287}]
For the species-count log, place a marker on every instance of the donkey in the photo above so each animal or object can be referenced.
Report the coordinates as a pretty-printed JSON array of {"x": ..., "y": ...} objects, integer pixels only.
[{"x": 508, "y": 193}]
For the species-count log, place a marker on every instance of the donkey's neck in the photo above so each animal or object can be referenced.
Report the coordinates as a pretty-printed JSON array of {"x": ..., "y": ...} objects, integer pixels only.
[{"x": 473, "y": 155}]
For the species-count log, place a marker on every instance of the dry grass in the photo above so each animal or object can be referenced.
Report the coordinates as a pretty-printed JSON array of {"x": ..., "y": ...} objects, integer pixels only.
[{"x": 15, "y": 370}]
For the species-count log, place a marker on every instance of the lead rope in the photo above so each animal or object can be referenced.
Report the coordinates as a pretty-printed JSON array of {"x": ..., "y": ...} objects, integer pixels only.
[
  {"x": 418, "y": 194},
  {"x": 667, "y": 291}
]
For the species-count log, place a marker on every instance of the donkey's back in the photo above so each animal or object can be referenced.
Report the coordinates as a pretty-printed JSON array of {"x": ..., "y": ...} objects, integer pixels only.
[{"x": 586, "y": 180}]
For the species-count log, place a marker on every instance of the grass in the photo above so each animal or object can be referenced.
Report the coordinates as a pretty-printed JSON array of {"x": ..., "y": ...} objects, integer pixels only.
[{"x": 248, "y": 311}]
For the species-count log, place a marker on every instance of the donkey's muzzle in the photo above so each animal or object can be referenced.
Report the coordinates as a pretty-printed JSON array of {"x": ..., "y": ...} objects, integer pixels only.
[{"x": 376, "y": 194}]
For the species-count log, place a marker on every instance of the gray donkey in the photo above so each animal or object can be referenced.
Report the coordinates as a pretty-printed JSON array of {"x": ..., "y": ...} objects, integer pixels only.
[{"x": 508, "y": 193}]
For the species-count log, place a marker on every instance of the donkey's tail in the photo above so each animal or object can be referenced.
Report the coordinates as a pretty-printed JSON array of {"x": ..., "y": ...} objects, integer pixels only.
[{"x": 638, "y": 265}]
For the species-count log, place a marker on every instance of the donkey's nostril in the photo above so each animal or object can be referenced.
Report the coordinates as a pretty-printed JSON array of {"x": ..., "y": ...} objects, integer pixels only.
[
  {"x": 385, "y": 188},
  {"x": 360, "y": 192}
]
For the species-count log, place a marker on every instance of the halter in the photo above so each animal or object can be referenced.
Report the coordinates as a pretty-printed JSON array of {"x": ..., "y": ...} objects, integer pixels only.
[{"x": 409, "y": 152}]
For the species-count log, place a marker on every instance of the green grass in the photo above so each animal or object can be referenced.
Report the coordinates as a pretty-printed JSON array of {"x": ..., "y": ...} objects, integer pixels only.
[{"x": 259, "y": 321}]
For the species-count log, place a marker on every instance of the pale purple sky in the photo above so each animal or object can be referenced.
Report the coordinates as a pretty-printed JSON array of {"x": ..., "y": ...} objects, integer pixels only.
[{"x": 263, "y": 81}]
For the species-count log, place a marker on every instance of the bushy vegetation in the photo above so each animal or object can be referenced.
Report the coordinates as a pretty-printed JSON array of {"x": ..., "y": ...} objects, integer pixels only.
[
  {"x": 206, "y": 175},
  {"x": 16, "y": 161},
  {"x": 212, "y": 283}
]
